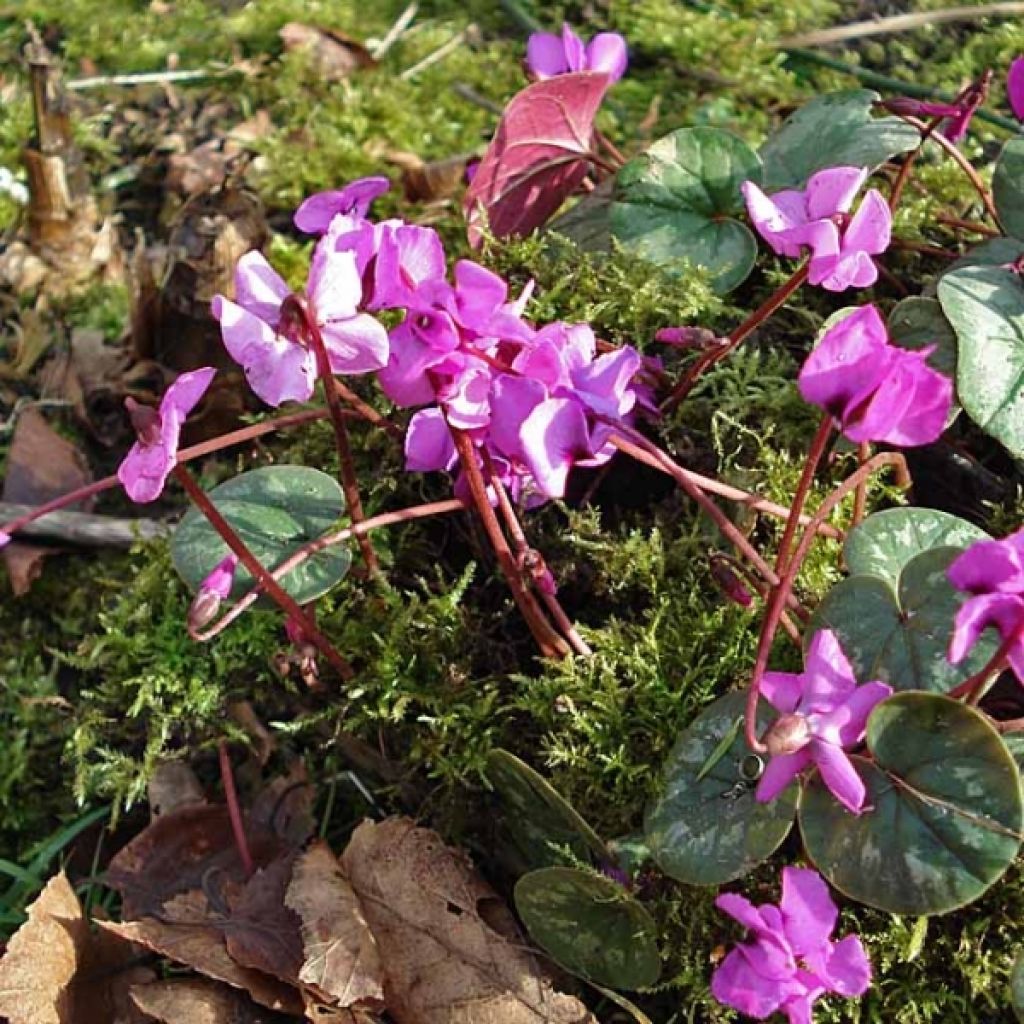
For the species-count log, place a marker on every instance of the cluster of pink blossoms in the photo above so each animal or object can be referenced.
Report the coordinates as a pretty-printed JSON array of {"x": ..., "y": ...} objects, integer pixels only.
[{"x": 535, "y": 401}]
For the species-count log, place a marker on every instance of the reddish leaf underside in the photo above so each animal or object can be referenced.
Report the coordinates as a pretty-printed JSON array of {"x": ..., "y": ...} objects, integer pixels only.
[{"x": 538, "y": 156}]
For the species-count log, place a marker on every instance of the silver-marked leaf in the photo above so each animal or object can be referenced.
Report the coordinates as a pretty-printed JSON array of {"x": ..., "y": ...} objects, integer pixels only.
[
  {"x": 706, "y": 828},
  {"x": 677, "y": 201},
  {"x": 275, "y": 510},
  {"x": 836, "y": 129},
  {"x": 885, "y": 542},
  {"x": 591, "y": 926},
  {"x": 900, "y": 633},
  {"x": 985, "y": 306},
  {"x": 995, "y": 252},
  {"x": 943, "y": 813},
  {"x": 1008, "y": 187}
]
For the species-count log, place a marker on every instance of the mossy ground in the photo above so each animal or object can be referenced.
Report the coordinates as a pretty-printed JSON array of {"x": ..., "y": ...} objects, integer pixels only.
[{"x": 98, "y": 677}]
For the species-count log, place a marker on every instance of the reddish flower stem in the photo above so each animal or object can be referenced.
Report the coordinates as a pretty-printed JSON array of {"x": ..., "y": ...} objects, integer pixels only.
[
  {"x": 270, "y": 586},
  {"x": 777, "y": 599},
  {"x": 968, "y": 225},
  {"x": 548, "y": 640},
  {"x": 522, "y": 550},
  {"x": 328, "y": 540},
  {"x": 974, "y": 688},
  {"x": 825, "y": 509},
  {"x": 234, "y": 810},
  {"x": 367, "y": 411},
  {"x": 860, "y": 501},
  {"x": 347, "y": 471},
  {"x": 248, "y": 433},
  {"x": 719, "y": 352},
  {"x": 610, "y": 147},
  {"x": 908, "y": 165}
]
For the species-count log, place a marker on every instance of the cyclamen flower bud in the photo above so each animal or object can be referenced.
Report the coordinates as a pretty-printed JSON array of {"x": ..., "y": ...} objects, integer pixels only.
[
  {"x": 212, "y": 591},
  {"x": 788, "y": 734},
  {"x": 688, "y": 337},
  {"x": 729, "y": 583}
]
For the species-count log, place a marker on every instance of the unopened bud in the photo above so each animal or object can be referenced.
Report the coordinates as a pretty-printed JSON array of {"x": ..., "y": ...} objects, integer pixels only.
[
  {"x": 214, "y": 589},
  {"x": 787, "y": 735},
  {"x": 729, "y": 582},
  {"x": 203, "y": 609},
  {"x": 145, "y": 421},
  {"x": 688, "y": 337}
]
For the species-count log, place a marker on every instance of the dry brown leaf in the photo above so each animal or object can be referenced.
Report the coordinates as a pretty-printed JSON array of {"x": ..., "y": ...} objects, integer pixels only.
[
  {"x": 333, "y": 55},
  {"x": 341, "y": 956},
  {"x": 186, "y": 935},
  {"x": 42, "y": 957},
  {"x": 41, "y": 465},
  {"x": 196, "y": 1001},
  {"x": 173, "y": 786},
  {"x": 55, "y": 971},
  {"x": 443, "y": 962}
]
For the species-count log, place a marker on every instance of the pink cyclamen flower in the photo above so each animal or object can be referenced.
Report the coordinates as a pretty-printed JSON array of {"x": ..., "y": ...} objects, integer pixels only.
[
  {"x": 875, "y": 390},
  {"x": 148, "y": 464},
  {"x": 957, "y": 115},
  {"x": 267, "y": 329},
  {"x": 789, "y": 959},
  {"x": 1015, "y": 88},
  {"x": 214, "y": 589},
  {"x": 315, "y": 214},
  {"x": 824, "y": 714},
  {"x": 548, "y": 55},
  {"x": 992, "y": 572},
  {"x": 817, "y": 217}
]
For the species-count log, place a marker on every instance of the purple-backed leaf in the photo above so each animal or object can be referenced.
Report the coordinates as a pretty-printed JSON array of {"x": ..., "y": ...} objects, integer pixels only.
[{"x": 538, "y": 156}]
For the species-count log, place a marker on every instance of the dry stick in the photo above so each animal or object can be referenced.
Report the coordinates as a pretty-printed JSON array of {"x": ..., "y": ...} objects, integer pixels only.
[
  {"x": 964, "y": 164},
  {"x": 825, "y": 509},
  {"x": 968, "y": 225},
  {"x": 84, "y": 528},
  {"x": 395, "y": 32},
  {"x": 234, "y": 811},
  {"x": 328, "y": 540},
  {"x": 899, "y": 23},
  {"x": 973, "y": 688},
  {"x": 186, "y": 454},
  {"x": 721, "y": 520},
  {"x": 548, "y": 640},
  {"x": 706, "y": 361},
  {"x": 777, "y": 599},
  {"x": 439, "y": 54},
  {"x": 347, "y": 470},
  {"x": 523, "y": 549},
  {"x": 712, "y": 486},
  {"x": 270, "y": 586}
]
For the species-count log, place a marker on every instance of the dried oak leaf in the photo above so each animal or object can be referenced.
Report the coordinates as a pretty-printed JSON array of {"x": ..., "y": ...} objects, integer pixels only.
[
  {"x": 444, "y": 963},
  {"x": 341, "y": 959},
  {"x": 197, "y": 1001},
  {"x": 41, "y": 465},
  {"x": 56, "y": 971},
  {"x": 333, "y": 55},
  {"x": 187, "y": 933}
]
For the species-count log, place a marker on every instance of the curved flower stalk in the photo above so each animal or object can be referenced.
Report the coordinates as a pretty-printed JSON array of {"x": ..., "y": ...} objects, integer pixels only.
[
  {"x": 149, "y": 463},
  {"x": 874, "y": 390},
  {"x": 818, "y": 218},
  {"x": 548, "y": 55},
  {"x": 992, "y": 572},
  {"x": 823, "y": 714},
  {"x": 789, "y": 959}
]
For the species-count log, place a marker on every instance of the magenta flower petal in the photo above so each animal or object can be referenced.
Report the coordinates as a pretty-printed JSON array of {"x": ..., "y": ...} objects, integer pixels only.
[
  {"x": 1015, "y": 88},
  {"x": 545, "y": 55},
  {"x": 838, "y": 773},
  {"x": 574, "y": 50},
  {"x": 404, "y": 380},
  {"x": 513, "y": 398},
  {"x": 736, "y": 984},
  {"x": 221, "y": 578},
  {"x": 782, "y": 690},
  {"x": 832, "y": 190},
  {"x": 147, "y": 465},
  {"x": 828, "y": 675},
  {"x": 5, "y": 538},
  {"x": 807, "y": 910},
  {"x": 870, "y": 228},
  {"x": 553, "y": 436},
  {"x": 846, "y": 724},
  {"x": 740, "y": 909},
  {"x": 1002, "y": 611},
  {"x": 335, "y": 287},
  {"x": 356, "y": 345},
  {"x": 836, "y": 273},
  {"x": 259, "y": 289},
  {"x": 408, "y": 256},
  {"x": 478, "y": 294},
  {"x": 989, "y": 565},
  {"x": 779, "y": 773},
  {"x": 606, "y": 53},
  {"x": 847, "y": 969},
  {"x": 604, "y": 384},
  {"x": 776, "y": 217},
  {"x": 315, "y": 214},
  {"x": 278, "y": 370},
  {"x": 428, "y": 443},
  {"x": 468, "y": 405}
]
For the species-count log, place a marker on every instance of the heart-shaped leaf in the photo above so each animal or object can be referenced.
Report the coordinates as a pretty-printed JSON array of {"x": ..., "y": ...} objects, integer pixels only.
[
  {"x": 1008, "y": 187},
  {"x": 899, "y": 632},
  {"x": 918, "y": 322},
  {"x": 996, "y": 252},
  {"x": 833, "y": 130},
  {"x": 1017, "y": 985},
  {"x": 707, "y": 828},
  {"x": 985, "y": 305},
  {"x": 539, "y": 155},
  {"x": 885, "y": 542},
  {"x": 677, "y": 202},
  {"x": 275, "y": 510},
  {"x": 943, "y": 815},
  {"x": 591, "y": 926},
  {"x": 539, "y": 822}
]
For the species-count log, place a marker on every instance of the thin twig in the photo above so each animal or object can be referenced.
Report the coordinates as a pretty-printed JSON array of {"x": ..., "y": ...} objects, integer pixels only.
[
  {"x": 438, "y": 55},
  {"x": 152, "y": 78},
  {"x": 394, "y": 33},
  {"x": 84, "y": 528}
]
